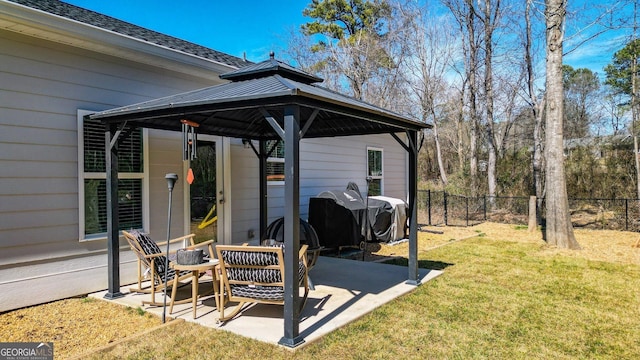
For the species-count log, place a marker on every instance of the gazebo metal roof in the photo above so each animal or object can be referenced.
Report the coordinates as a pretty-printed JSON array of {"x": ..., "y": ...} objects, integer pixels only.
[
  {"x": 265, "y": 101},
  {"x": 240, "y": 108}
]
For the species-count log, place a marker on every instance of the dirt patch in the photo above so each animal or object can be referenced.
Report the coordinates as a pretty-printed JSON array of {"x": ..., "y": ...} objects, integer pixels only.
[{"x": 74, "y": 325}]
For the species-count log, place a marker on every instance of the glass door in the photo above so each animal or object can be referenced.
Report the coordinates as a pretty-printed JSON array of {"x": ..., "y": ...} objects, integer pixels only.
[{"x": 205, "y": 199}]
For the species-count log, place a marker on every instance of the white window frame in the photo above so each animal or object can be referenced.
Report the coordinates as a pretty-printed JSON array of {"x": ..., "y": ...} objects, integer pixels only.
[
  {"x": 82, "y": 175},
  {"x": 376, "y": 177}
]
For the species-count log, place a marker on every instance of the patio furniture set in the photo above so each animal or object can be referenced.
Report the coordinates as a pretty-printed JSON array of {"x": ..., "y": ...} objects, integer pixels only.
[{"x": 240, "y": 274}]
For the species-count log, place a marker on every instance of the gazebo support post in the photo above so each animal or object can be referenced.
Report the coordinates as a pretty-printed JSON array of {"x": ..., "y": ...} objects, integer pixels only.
[
  {"x": 413, "y": 278},
  {"x": 262, "y": 157},
  {"x": 291, "y": 336},
  {"x": 113, "y": 240}
]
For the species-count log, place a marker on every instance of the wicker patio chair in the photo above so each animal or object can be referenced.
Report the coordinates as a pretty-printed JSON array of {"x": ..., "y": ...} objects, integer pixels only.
[
  {"x": 151, "y": 262},
  {"x": 255, "y": 274}
]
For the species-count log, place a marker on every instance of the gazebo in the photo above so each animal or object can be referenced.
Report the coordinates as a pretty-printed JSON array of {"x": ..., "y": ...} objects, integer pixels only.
[{"x": 265, "y": 101}]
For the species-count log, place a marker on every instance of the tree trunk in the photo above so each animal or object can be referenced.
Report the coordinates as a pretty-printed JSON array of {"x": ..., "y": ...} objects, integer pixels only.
[
  {"x": 460, "y": 131},
  {"x": 634, "y": 116},
  {"x": 443, "y": 173},
  {"x": 537, "y": 108},
  {"x": 538, "y": 158},
  {"x": 472, "y": 68},
  {"x": 635, "y": 151},
  {"x": 559, "y": 230},
  {"x": 490, "y": 21}
]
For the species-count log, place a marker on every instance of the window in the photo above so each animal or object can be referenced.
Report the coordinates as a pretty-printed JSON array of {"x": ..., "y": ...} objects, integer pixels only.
[
  {"x": 93, "y": 179},
  {"x": 275, "y": 162},
  {"x": 374, "y": 171}
]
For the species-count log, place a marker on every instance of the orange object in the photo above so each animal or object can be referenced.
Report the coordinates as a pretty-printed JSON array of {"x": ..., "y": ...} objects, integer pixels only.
[
  {"x": 190, "y": 176},
  {"x": 190, "y": 123}
]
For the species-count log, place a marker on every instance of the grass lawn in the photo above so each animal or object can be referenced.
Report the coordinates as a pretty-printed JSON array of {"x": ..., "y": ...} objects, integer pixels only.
[{"x": 497, "y": 299}]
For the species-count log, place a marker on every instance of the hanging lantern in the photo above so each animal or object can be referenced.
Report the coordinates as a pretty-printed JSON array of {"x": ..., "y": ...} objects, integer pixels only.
[{"x": 189, "y": 139}]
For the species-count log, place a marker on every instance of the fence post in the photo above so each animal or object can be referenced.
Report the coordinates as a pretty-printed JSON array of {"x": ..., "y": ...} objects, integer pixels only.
[
  {"x": 484, "y": 205},
  {"x": 429, "y": 206},
  {"x": 533, "y": 222},
  {"x": 467, "y": 203},
  {"x": 626, "y": 214},
  {"x": 445, "y": 208}
]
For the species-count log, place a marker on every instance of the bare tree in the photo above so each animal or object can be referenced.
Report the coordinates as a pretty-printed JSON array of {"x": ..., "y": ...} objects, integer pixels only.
[
  {"x": 559, "y": 230},
  {"x": 466, "y": 17},
  {"x": 432, "y": 49},
  {"x": 490, "y": 10}
]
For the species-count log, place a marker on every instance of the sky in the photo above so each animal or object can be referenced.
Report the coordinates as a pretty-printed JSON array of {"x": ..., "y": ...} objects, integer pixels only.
[
  {"x": 236, "y": 27},
  {"x": 254, "y": 28}
]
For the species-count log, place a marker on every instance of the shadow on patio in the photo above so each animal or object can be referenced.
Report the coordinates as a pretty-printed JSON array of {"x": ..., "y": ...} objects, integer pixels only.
[{"x": 345, "y": 290}]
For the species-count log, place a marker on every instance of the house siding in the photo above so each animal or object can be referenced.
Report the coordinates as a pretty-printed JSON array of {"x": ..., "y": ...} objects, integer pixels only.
[
  {"x": 325, "y": 164},
  {"x": 42, "y": 85}
]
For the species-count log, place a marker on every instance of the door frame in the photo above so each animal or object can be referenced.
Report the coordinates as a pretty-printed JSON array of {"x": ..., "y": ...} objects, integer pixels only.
[{"x": 223, "y": 188}]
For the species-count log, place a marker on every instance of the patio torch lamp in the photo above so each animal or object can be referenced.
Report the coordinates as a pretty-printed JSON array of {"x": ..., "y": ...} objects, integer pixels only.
[{"x": 171, "y": 180}]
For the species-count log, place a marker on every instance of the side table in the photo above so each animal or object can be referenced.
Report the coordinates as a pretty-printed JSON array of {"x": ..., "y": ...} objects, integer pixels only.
[{"x": 195, "y": 275}]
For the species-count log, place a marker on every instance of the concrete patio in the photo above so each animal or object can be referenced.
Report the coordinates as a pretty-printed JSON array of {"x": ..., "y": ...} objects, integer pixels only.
[{"x": 344, "y": 291}]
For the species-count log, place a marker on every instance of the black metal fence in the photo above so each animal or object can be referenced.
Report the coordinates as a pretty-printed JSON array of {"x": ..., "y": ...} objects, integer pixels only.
[{"x": 442, "y": 208}]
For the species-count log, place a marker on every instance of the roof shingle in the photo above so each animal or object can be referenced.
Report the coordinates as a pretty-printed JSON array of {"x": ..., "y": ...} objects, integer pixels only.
[{"x": 93, "y": 18}]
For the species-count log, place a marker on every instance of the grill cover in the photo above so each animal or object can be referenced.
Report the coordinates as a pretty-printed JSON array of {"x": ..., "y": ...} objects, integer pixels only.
[
  {"x": 338, "y": 216},
  {"x": 388, "y": 217}
]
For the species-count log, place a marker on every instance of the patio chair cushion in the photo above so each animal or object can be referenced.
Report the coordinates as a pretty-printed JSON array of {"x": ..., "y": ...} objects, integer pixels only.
[
  {"x": 149, "y": 247},
  {"x": 250, "y": 258},
  {"x": 275, "y": 293},
  {"x": 257, "y": 275}
]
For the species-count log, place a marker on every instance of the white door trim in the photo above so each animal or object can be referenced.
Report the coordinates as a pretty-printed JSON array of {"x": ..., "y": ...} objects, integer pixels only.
[{"x": 223, "y": 190}]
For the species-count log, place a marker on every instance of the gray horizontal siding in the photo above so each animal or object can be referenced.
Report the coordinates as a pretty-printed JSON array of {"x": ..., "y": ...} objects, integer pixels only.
[
  {"x": 42, "y": 85},
  {"x": 325, "y": 164}
]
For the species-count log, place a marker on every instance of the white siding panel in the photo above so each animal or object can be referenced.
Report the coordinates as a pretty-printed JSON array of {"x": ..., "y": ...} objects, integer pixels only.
[
  {"x": 38, "y": 152},
  {"x": 64, "y": 63},
  {"x": 26, "y": 135},
  {"x": 35, "y": 119},
  {"x": 40, "y": 218},
  {"x": 35, "y": 169},
  {"x": 30, "y": 186},
  {"x": 12, "y": 203},
  {"x": 325, "y": 164},
  {"x": 71, "y": 91},
  {"x": 48, "y": 250}
]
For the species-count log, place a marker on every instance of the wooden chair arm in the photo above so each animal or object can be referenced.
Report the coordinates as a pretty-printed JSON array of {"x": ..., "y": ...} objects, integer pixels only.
[
  {"x": 175, "y": 240},
  {"x": 200, "y": 244},
  {"x": 302, "y": 254}
]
